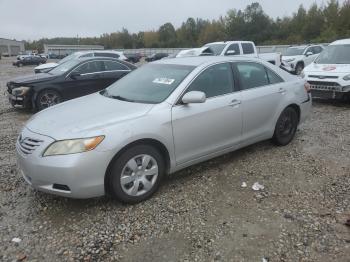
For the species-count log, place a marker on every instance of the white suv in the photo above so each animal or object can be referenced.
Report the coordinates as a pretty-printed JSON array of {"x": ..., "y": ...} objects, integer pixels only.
[
  {"x": 329, "y": 74},
  {"x": 297, "y": 57}
]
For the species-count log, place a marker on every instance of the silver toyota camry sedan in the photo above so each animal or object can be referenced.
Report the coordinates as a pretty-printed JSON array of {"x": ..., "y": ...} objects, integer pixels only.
[{"x": 161, "y": 118}]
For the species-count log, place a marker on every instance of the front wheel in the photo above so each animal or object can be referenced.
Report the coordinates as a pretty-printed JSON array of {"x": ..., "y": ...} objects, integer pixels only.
[
  {"x": 47, "y": 98},
  {"x": 136, "y": 174},
  {"x": 286, "y": 127}
]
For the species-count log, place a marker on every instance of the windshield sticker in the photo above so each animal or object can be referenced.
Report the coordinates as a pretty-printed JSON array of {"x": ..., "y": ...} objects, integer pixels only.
[{"x": 163, "y": 81}]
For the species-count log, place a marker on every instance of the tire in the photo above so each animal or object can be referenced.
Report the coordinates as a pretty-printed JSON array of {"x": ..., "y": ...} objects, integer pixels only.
[
  {"x": 129, "y": 166},
  {"x": 47, "y": 98},
  {"x": 286, "y": 127},
  {"x": 299, "y": 68}
]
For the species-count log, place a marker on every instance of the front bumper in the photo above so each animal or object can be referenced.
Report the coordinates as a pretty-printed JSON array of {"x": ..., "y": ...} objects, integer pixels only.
[
  {"x": 329, "y": 94},
  {"x": 76, "y": 175},
  {"x": 19, "y": 101}
]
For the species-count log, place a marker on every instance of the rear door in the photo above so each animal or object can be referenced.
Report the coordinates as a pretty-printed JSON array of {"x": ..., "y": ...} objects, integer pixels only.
[
  {"x": 262, "y": 97},
  {"x": 202, "y": 129}
]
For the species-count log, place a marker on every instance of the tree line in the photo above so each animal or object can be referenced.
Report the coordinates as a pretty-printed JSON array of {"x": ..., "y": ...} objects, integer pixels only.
[{"x": 324, "y": 23}]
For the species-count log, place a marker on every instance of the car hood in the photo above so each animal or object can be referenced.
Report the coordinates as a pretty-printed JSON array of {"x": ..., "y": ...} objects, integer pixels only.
[
  {"x": 328, "y": 68},
  {"x": 85, "y": 116},
  {"x": 47, "y": 65},
  {"x": 35, "y": 78}
]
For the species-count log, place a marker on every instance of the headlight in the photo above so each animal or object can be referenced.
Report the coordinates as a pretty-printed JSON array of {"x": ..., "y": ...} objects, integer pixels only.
[
  {"x": 346, "y": 78},
  {"x": 73, "y": 146},
  {"x": 20, "y": 91}
]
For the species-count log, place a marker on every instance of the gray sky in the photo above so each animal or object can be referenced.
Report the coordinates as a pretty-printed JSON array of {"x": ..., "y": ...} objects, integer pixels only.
[{"x": 34, "y": 19}]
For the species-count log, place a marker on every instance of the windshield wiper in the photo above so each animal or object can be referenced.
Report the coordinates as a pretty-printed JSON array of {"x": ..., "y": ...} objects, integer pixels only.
[{"x": 122, "y": 98}]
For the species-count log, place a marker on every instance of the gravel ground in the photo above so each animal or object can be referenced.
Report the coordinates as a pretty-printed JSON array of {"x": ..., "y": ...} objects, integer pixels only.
[{"x": 199, "y": 214}]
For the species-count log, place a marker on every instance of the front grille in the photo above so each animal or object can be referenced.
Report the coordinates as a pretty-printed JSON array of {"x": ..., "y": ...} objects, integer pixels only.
[
  {"x": 323, "y": 77},
  {"x": 28, "y": 145},
  {"x": 329, "y": 86}
]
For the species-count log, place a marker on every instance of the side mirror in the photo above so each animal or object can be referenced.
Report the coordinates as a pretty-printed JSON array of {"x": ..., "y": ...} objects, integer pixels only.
[
  {"x": 309, "y": 53},
  {"x": 231, "y": 52},
  {"x": 74, "y": 75},
  {"x": 194, "y": 97}
]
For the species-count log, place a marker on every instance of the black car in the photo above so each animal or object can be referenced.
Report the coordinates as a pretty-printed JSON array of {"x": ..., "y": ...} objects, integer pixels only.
[
  {"x": 74, "y": 78},
  {"x": 29, "y": 60},
  {"x": 156, "y": 57},
  {"x": 133, "y": 58}
]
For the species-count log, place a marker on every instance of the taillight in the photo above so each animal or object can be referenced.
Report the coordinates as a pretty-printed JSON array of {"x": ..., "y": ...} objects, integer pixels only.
[{"x": 307, "y": 87}]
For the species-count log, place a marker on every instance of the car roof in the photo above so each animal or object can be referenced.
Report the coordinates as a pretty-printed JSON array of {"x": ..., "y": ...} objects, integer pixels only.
[
  {"x": 341, "y": 42},
  {"x": 84, "y": 59},
  {"x": 199, "y": 60}
]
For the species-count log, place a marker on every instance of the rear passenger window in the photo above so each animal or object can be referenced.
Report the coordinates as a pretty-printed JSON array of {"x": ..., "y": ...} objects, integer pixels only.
[
  {"x": 273, "y": 77},
  {"x": 252, "y": 75},
  {"x": 114, "y": 66},
  {"x": 214, "y": 81},
  {"x": 248, "y": 48}
]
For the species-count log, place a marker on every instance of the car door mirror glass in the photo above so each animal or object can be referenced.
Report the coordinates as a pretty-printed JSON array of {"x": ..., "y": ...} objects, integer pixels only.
[{"x": 194, "y": 97}]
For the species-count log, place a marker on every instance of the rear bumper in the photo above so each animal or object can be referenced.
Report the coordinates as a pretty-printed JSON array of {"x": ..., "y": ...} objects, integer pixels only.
[{"x": 305, "y": 109}]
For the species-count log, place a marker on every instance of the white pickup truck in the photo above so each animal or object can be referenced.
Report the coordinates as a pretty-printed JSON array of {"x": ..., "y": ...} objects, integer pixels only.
[{"x": 232, "y": 48}]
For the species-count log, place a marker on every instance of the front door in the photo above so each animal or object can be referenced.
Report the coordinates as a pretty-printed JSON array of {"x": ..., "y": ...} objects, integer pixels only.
[
  {"x": 90, "y": 79},
  {"x": 212, "y": 126}
]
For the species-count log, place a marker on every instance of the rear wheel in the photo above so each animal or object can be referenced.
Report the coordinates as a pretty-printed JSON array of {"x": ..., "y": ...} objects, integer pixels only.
[
  {"x": 286, "y": 127},
  {"x": 47, "y": 98},
  {"x": 136, "y": 174}
]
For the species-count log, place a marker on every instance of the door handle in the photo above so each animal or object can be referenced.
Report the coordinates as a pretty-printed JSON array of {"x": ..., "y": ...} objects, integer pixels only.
[{"x": 235, "y": 102}]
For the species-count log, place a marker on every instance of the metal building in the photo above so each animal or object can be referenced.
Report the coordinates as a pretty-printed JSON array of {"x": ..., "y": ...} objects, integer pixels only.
[
  {"x": 11, "y": 47},
  {"x": 68, "y": 49}
]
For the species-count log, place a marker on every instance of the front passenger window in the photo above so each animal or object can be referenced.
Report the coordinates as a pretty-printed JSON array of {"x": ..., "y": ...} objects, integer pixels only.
[
  {"x": 214, "y": 81},
  {"x": 252, "y": 75},
  {"x": 90, "y": 67}
]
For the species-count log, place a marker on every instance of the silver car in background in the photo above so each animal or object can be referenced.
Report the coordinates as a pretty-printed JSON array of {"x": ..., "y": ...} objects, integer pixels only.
[{"x": 161, "y": 118}]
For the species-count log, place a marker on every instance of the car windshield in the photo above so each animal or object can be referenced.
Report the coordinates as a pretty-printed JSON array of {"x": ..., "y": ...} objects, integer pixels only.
[
  {"x": 150, "y": 84},
  {"x": 335, "y": 54},
  {"x": 293, "y": 51},
  {"x": 62, "y": 68},
  {"x": 70, "y": 57},
  {"x": 216, "y": 48}
]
